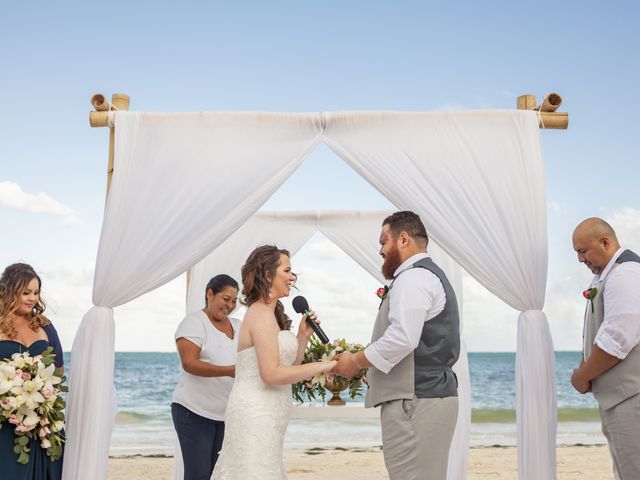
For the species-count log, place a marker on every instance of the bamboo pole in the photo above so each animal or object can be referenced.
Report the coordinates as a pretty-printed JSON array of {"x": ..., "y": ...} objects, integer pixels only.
[
  {"x": 100, "y": 103},
  {"x": 550, "y": 103},
  {"x": 548, "y": 117},
  {"x": 121, "y": 102},
  {"x": 526, "y": 102}
]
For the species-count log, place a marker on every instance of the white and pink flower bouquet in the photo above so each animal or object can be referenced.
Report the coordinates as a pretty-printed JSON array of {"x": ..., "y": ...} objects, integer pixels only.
[
  {"x": 318, "y": 385},
  {"x": 31, "y": 402}
]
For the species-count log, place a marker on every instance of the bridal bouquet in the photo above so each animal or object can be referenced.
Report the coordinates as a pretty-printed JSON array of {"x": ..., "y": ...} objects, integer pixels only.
[
  {"x": 318, "y": 351},
  {"x": 30, "y": 400}
]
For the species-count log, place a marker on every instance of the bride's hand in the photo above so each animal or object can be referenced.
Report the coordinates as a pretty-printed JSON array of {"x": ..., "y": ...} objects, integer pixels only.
[
  {"x": 329, "y": 365},
  {"x": 304, "y": 330}
]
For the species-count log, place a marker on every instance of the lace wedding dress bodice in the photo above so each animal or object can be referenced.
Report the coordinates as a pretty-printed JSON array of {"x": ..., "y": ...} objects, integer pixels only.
[{"x": 256, "y": 419}]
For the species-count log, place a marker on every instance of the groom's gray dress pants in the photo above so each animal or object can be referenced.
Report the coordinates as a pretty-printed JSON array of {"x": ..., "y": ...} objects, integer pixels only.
[{"x": 416, "y": 437}]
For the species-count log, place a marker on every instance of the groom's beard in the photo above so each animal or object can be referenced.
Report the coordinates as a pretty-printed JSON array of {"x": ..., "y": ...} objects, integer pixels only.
[{"x": 391, "y": 263}]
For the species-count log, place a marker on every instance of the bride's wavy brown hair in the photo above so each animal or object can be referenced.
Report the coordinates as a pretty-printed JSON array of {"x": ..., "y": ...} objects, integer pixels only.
[
  {"x": 258, "y": 273},
  {"x": 13, "y": 281}
]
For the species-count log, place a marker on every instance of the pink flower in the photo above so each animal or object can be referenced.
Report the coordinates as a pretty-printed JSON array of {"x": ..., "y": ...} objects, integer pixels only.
[
  {"x": 26, "y": 376},
  {"x": 47, "y": 392},
  {"x": 382, "y": 292}
]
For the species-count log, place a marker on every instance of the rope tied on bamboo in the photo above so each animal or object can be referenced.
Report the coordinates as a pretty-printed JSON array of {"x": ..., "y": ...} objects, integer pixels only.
[
  {"x": 538, "y": 112},
  {"x": 111, "y": 118}
]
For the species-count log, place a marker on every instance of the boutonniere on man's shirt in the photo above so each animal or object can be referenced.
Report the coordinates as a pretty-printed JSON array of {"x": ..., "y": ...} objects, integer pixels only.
[
  {"x": 590, "y": 294},
  {"x": 382, "y": 292}
]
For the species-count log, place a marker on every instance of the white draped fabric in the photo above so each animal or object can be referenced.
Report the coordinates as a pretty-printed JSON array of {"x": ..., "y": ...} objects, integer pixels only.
[
  {"x": 183, "y": 183},
  {"x": 476, "y": 179},
  {"x": 171, "y": 203}
]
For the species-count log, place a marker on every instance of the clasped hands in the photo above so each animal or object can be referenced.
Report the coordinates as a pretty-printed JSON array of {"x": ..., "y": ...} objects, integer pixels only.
[{"x": 347, "y": 365}]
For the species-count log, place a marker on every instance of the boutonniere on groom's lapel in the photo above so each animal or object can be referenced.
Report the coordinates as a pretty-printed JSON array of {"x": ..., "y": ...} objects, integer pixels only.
[
  {"x": 590, "y": 294},
  {"x": 382, "y": 292}
]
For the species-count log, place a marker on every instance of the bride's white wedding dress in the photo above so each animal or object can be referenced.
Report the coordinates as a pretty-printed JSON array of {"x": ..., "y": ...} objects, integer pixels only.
[{"x": 256, "y": 419}]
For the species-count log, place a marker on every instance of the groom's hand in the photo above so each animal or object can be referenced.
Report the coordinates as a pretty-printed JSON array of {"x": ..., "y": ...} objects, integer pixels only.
[
  {"x": 347, "y": 365},
  {"x": 581, "y": 384}
]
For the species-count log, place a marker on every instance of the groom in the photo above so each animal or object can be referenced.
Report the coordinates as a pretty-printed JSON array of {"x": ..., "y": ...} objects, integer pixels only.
[{"x": 415, "y": 342}]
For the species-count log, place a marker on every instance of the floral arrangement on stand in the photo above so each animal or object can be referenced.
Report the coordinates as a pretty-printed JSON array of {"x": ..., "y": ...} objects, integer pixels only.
[
  {"x": 318, "y": 385},
  {"x": 31, "y": 401}
]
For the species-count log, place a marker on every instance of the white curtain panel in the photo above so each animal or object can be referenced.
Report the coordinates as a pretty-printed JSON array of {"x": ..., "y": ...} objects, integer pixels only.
[
  {"x": 182, "y": 184},
  {"x": 476, "y": 179},
  {"x": 288, "y": 230}
]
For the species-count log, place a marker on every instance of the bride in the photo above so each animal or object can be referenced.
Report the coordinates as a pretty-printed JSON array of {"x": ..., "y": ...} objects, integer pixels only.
[{"x": 268, "y": 362}]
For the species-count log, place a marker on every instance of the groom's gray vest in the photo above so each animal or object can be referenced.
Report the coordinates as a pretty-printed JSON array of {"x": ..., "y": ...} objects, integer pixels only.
[
  {"x": 426, "y": 372},
  {"x": 623, "y": 380}
]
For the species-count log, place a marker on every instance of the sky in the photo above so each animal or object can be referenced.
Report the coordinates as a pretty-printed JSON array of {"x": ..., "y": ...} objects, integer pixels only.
[{"x": 309, "y": 57}]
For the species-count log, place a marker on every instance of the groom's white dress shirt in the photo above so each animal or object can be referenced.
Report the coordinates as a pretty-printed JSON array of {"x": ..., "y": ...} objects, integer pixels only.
[{"x": 418, "y": 296}]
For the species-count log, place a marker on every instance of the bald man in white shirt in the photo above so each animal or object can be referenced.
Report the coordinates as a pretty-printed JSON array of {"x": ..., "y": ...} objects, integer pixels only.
[{"x": 610, "y": 367}]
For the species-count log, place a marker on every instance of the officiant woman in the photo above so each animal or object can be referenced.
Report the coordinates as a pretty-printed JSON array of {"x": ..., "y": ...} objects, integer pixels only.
[{"x": 207, "y": 342}]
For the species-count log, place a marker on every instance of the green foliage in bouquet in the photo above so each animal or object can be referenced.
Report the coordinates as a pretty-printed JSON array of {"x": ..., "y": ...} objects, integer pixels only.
[{"x": 317, "y": 387}]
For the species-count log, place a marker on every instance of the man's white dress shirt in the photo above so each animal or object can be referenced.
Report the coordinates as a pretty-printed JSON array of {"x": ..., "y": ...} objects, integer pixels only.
[
  {"x": 620, "y": 329},
  {"x": 417, "y": 296}
]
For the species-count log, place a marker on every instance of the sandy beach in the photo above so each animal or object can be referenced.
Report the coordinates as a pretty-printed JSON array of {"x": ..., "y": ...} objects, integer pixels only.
[{"x": 486, "y": 463}]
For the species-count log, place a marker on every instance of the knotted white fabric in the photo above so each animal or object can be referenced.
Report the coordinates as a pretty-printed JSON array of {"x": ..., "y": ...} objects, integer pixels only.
[
  {"x": 476, "y": 179},
  {"x": 183, "y": 183}
]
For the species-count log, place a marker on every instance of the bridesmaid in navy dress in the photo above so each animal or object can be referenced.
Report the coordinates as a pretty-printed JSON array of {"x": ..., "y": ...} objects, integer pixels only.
[{"x": 24, "y": 328}]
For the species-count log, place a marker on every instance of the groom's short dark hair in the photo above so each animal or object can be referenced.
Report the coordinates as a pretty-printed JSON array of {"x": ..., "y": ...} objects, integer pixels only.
[{"x": 407, "y": 221}]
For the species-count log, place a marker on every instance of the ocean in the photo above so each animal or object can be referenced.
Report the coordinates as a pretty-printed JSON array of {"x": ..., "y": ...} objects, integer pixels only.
[{"x": 145, "y": 381}]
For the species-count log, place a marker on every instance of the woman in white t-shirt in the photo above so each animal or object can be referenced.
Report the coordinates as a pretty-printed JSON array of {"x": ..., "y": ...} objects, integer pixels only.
[{"x": 207, "y": 342}]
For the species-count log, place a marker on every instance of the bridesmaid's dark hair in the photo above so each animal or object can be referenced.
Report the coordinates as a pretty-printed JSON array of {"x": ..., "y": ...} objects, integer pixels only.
[
  {"x": 13, "y": 281},
  {"x": 258, "y": 273},
  {"x": 219, "y": 283}
]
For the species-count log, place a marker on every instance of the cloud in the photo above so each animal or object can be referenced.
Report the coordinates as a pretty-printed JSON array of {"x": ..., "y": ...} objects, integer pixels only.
[
  {"x": 626, "y": 223},
  {"x": 489, "y": 324},
  {"x": 144, "y": 324},
  {"x": 12, "y": 196},
  {"x": 326, "y": 250},
  {"x": 344, "y": 298},
  {"x": 66, "y": 289},
  {"x": 448, "y": 107},
  {"x": 555, "y": 207},
  {"x": 341, "y": 292}
]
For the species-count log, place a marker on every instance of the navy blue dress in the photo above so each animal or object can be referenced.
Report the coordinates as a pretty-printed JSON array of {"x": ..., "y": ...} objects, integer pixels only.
[{"x": 40, "y": 466}]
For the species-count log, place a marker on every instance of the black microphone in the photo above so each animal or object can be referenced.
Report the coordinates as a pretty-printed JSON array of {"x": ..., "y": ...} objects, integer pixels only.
[{"x": 300, "y": 305}]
